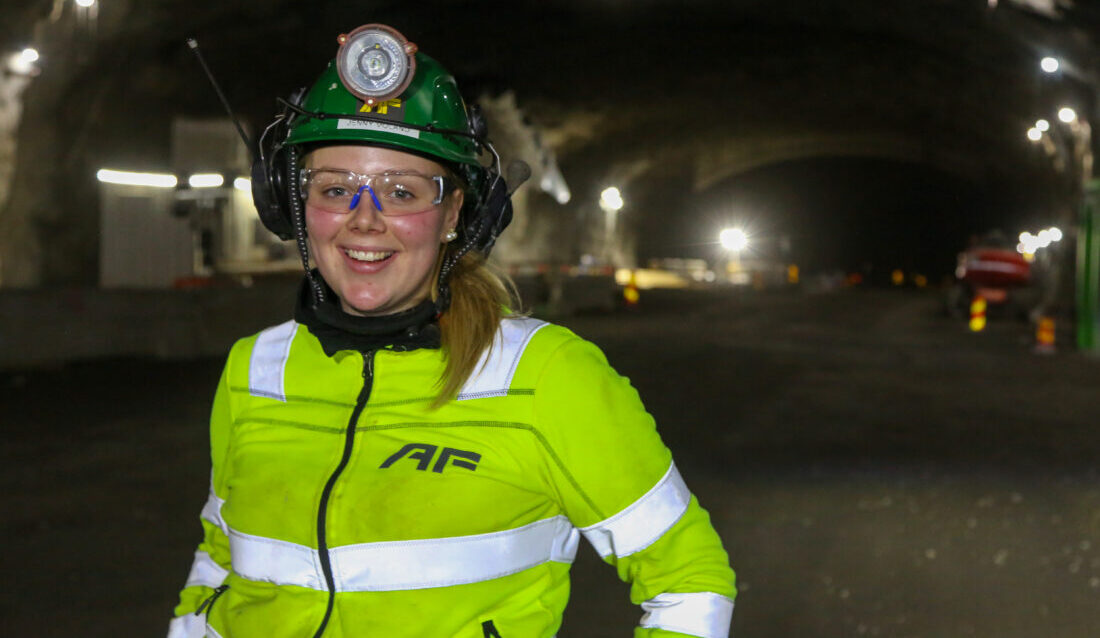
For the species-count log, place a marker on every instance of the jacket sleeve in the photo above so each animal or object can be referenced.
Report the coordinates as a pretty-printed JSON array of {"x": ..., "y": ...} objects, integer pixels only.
[
  {"x": 211, "y": 564},
  {"x": 616, "y": 481}
]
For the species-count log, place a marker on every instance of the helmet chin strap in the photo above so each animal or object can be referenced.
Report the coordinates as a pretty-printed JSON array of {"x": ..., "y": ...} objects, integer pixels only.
[
  {"x": 298, "y": 219},
  {"x": 443, "y": 287}
]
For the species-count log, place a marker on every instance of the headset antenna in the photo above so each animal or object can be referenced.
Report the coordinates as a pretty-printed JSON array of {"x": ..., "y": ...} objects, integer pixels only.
[{"x": 194, "y": 46}]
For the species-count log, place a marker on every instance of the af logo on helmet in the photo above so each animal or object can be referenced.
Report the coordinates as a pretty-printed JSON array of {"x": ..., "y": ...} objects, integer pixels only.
[{"x": 392, "y": 109}]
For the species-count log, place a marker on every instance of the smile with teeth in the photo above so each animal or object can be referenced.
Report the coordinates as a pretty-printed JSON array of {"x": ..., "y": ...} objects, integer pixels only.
[{"x": 367, "y": 255}]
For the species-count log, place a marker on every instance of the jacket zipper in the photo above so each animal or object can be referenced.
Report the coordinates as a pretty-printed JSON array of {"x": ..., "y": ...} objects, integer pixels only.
[
  {"x": 208, "y": 604},
  {"x": 322, "y": 509}
]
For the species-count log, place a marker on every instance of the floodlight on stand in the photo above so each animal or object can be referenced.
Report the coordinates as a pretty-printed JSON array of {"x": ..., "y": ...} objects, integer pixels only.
[{"x": 375, "y": 62}]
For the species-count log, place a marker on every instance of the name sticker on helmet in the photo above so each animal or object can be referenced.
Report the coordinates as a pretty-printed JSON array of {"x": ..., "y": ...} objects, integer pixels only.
[
  {"x": 393, "y": 109},
  {"x": 377, "y": 126}
]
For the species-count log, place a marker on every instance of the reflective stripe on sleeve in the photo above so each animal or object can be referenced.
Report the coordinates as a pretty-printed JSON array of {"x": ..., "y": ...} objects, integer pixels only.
[
  {"x": 267, "y": 365},
  {"x": 399, "y": 565},
  {"x": 643, "y": 521},
  {"x": 187, "y": 626},
  {"x": 493, "y": 373},
  {"x": 703, "y": 614},
  {"x": 212, "y": 511},
  {"x": 205, "y": 571}
]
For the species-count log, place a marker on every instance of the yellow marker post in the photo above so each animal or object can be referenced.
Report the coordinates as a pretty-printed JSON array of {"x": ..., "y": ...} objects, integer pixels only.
[
  {"x": 977, "y": 314},
  {"x": 630, "y": 293},
  {"x": 1044, "y": 335}
]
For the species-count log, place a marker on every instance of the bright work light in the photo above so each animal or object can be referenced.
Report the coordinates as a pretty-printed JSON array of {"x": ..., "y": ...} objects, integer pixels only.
[
  {"x": 205, "y": 180},
  {"x": 733, "y": 239},
  {"x": 611, "y": 199},
  {"x": 375, "y": 62},
  {"x": 129, "y": 178}
]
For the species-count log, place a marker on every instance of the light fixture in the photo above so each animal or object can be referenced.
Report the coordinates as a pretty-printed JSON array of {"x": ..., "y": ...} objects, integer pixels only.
[
  {"x": 85, "y": 3},
  {"x": 205, "y": 180},
  {"x": 129, "y": 178},
  {"x": 1042, "y": 125},
  {"x": 733, "y": 239},
  {"x": 22, "y": 63},
  {"x": 1067, "y": 114},
  {"x": 1034, "y": 134},
  {"x": 611, "y": 199},
  {"x": 375, "y": 62},
  {"x": 243, "y": 184},
  {"x": 1049, "y": 64}
]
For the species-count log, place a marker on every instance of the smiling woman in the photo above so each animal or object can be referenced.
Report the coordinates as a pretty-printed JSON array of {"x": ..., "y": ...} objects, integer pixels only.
[
  {"x": 407, "y": 457},
  {"x": 379, "y": 254}
]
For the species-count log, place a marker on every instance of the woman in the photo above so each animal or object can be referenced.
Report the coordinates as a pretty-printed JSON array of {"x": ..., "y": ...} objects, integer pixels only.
[{"x": 406, "y": 458}]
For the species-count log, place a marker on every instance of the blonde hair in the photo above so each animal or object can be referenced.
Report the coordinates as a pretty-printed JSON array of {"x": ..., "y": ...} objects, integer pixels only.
[{"x": 481, "y": 296}]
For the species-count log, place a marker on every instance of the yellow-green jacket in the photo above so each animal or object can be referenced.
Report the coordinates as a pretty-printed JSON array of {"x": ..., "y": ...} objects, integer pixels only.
[{"x": 341, "y": 505}]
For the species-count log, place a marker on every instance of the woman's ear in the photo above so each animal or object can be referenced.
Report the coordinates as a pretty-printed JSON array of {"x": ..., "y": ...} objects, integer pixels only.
[{"x": 454, "y": 207}]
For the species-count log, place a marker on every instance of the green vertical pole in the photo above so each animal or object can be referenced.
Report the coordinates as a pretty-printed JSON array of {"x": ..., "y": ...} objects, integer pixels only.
[{"x": 1088, "y": 269}]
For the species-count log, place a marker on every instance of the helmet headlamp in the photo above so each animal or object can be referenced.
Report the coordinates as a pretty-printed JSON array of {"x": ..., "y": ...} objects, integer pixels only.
[{"x": 375, "y": 62}]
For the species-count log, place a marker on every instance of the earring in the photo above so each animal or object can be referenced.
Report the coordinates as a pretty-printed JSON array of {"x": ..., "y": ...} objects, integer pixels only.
[{"x": 450, "y": 236}]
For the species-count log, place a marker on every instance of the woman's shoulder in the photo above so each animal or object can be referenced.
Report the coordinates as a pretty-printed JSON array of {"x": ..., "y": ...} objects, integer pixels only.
[
  {"x": 540, "y": 346},
  {"x": 281, "y": 334},
  {"x": 533, "y": 336}
]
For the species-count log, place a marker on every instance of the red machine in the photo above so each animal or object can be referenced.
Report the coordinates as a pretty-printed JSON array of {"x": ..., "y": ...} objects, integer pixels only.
[{"x": 991, "y": 271}]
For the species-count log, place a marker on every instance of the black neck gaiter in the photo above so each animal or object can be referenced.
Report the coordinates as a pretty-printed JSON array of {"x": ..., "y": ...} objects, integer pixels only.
[{"x": 337, "y": 330}]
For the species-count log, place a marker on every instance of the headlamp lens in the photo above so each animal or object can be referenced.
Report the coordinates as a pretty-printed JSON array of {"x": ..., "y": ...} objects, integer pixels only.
[{"x": 375, "y": 62}]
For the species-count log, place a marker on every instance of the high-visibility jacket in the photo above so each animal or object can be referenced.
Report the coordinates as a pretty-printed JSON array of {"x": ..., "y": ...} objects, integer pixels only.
[{"x": 342, "y": 505}]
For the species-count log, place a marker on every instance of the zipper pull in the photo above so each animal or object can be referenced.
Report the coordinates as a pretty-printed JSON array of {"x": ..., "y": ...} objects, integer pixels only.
[{"x": 209, "y": 602}]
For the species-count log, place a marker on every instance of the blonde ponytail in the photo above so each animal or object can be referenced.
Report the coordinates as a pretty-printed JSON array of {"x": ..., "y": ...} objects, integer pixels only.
[{"x": 480, "y": 298}]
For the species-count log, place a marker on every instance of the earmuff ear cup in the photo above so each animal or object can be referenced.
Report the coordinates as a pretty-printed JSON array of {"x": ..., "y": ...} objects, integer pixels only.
[
  {"x": 269, "y": 197},
  {"x": 271, "y": 176},
  {"x": 498, "y": 207},
  {"x": 492, "y": 214},
  {"x": 479, "y": 126}
]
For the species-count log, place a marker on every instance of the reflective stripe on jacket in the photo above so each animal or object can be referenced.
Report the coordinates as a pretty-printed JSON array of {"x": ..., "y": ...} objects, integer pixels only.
[{"x": 458, "y": 522}]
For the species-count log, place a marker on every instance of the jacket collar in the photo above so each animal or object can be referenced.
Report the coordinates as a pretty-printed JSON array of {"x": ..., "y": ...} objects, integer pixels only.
[{"x": 337, "y": 330}]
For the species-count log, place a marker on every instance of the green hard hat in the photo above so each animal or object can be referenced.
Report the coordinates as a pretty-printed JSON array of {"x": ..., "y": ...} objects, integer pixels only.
[{"x": 431, "y": 103}]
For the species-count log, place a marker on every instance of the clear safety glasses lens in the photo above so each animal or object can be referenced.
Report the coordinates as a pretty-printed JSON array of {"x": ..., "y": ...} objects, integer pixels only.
[{"x": 392, "y": 193}]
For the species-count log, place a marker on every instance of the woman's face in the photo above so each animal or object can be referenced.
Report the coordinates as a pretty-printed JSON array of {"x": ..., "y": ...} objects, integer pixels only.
[{"x": 378, "y": 264}]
